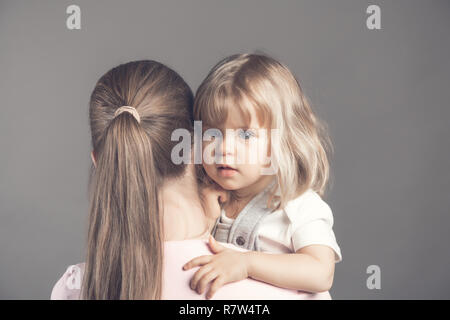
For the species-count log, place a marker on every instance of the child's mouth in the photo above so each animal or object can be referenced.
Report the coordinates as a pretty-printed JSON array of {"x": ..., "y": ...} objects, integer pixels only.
[{"x": 226, "y": 171}]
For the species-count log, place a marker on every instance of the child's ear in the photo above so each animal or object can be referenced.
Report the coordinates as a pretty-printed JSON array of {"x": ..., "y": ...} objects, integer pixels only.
[{"x": 93, "y": 158}]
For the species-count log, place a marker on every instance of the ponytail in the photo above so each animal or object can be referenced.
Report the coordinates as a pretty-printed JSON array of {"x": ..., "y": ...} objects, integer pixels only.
[
  {"x": 134, "y": 109},
  {"x": 125, "y": 255}
]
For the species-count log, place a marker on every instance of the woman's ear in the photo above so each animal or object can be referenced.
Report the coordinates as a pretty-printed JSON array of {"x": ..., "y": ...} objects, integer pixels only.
[{"x": 93, "y": 158}]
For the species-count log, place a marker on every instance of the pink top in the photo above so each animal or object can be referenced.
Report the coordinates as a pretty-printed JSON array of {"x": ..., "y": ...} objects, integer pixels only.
[{"x": 176, "y": 281}]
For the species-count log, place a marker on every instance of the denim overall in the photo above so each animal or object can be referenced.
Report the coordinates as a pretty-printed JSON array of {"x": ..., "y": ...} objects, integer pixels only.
[{"x": 244, "y": 230}]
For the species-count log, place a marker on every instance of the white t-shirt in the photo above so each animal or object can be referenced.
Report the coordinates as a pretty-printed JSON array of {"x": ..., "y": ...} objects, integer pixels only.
[{"x": 305, "y": 220}]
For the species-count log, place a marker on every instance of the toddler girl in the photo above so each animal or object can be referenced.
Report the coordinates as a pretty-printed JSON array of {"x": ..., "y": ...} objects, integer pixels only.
[{"x": 251, "y": 106}]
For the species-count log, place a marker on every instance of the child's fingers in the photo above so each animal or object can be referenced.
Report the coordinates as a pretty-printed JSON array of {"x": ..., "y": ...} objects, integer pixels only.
[
  {"x": 199, "y": 261},
  {"x": 218, "y": 282},
  {"x": 207, "y": 278},
  {"x": 198, "y": 275}
]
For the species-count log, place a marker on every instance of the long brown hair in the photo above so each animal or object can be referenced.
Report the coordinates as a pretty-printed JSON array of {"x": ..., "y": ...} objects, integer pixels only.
[{"x": 124, "y": 247}]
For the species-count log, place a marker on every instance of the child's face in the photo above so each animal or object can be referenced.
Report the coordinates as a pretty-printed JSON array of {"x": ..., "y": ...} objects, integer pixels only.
[{"x": 245, "y": 149}]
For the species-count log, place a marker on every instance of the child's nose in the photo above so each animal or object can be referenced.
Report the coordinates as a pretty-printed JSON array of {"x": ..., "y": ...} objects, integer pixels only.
[{"x": 228, "y": 145}]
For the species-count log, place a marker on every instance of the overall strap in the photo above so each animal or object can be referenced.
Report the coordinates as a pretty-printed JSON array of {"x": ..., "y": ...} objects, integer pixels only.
[
  {"x": 244, "y": 230},
  {"x": 220, "y": 231}
]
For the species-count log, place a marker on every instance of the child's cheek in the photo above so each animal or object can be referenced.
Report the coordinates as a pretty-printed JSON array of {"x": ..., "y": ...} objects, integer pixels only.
[
  {"x": 250, "y": 173},
  {"x": 209, "y": 156},
  {"x": 210, "y": 170},
  {"x": 259, "y": 152}
]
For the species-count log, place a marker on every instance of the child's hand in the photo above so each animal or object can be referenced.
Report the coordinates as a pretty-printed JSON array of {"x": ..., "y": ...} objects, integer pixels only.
[{"x": 226, "y": 265}]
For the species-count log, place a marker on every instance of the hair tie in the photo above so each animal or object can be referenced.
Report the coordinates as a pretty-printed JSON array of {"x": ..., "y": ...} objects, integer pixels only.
[{"x": 129, "y": 109}]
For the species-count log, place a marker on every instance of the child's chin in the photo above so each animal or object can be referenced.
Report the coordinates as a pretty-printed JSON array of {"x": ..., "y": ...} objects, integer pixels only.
[{"x": 228, "y": 185}]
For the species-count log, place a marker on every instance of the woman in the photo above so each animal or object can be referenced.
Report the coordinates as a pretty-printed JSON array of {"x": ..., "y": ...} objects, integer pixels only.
[{"x": 146, "y": 216}]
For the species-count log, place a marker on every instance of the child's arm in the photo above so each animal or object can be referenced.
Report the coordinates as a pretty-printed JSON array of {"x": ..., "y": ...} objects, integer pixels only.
[{"x": 310, "y": 269}]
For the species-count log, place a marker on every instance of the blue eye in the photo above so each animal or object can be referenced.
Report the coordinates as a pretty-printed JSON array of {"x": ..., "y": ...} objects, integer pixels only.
[
  {"x": 211, "y": 132},
  {"x": 246, "y": 134}
]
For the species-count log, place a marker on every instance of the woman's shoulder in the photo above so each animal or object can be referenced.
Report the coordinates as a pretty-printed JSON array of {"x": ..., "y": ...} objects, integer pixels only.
[
  {"x": 68, "y": 287},
  {"x": 307, "y": 207}
]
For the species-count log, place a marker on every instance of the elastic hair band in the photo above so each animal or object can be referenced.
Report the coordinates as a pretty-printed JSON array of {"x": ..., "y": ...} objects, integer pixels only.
[{"x": 129, "y": 109}]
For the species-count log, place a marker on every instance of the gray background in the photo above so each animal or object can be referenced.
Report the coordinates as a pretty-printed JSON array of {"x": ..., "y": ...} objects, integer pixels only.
[{"x": 384, "y": 94}]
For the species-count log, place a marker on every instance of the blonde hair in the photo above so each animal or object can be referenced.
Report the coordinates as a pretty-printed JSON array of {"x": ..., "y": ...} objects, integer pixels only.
[
  {"x": 301, "y": 148},
  {"x": 132, "y": 151}
]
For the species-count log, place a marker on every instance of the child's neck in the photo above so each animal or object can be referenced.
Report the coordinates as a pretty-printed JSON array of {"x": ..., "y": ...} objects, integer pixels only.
[{"x": 245, "y": 195}]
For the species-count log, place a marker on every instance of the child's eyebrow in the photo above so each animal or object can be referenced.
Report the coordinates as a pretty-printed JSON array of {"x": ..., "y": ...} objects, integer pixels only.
[
  {"x": 206, "y": 127},
  {"x": 245, "y": 128},
  {"x": 222, "y": 127}
]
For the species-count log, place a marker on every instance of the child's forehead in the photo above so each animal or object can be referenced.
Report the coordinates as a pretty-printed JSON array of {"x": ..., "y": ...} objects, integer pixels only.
[{"x": 241, "y": 117}]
